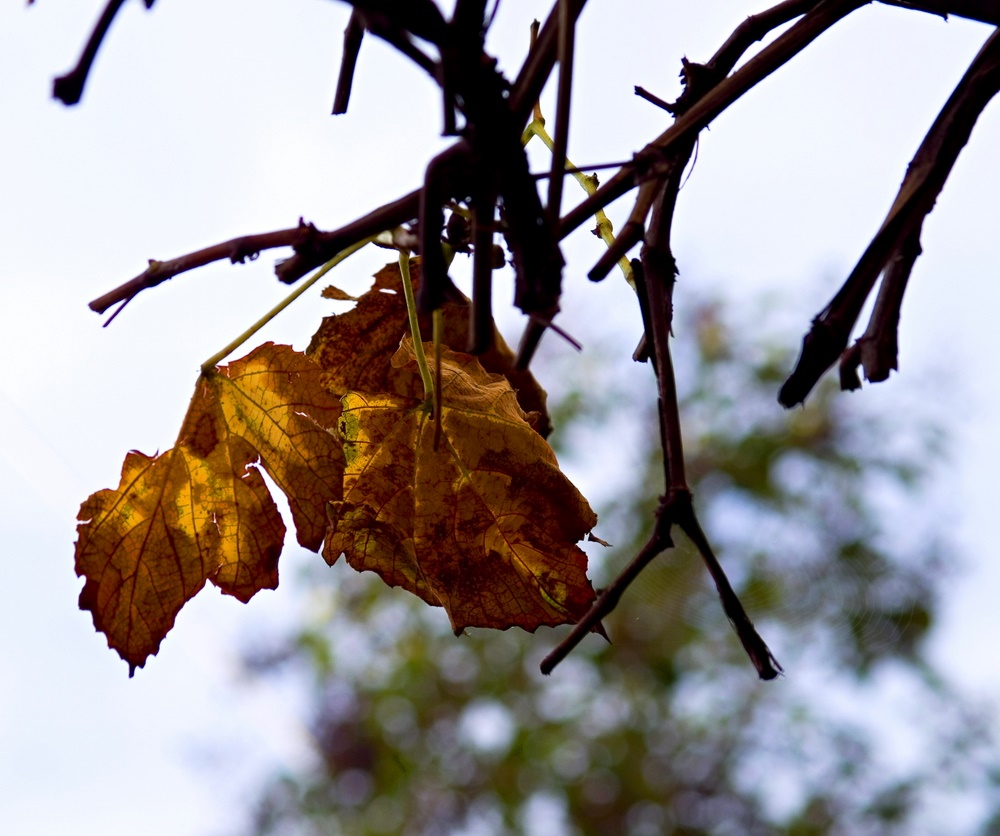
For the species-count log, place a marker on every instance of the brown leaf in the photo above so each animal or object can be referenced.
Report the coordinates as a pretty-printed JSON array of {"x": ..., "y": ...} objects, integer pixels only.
[
  {"x": 335, "y": 293},
  {"x": 374, "y": 328},
  {"x": 202, "y": 511},
  {"x": 486, "y": 526}
]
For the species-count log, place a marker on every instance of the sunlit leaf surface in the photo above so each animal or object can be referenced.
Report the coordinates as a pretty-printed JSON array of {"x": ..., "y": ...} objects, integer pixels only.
[
  {"x": 485, "y": 526},
  {"x": 202, "y": 510}
]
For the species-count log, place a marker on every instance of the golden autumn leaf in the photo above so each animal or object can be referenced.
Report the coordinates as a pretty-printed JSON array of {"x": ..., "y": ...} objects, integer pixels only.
[
  {"x": 485, "y": 526},
  {"x": 275, "y": 401},
  {"x": 202, "y": 511},
  {"x": 355, "y": 348}
]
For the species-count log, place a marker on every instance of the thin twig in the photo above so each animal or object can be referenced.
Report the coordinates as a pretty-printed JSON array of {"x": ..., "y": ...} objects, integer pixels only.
[
  {"x": 632, "y": 232},
  {"x": 415, "y": 336},
  {"x": 588, "y": 182},
  {"x": 659, "y": 274},
  {"x": 236, "y": 250},
  {"x": 606, "y": 602},
  {"x": 536, "y": 108},
  {"x": 437, "y": 332},
  {"x": 643, "y": 93},
  {"x": 763, "y": 660},
  {"x": 752, "y": 30}
]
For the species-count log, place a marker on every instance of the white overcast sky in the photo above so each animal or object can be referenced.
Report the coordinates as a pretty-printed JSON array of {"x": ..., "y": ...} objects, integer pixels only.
[{"x": 204, "y": 120}]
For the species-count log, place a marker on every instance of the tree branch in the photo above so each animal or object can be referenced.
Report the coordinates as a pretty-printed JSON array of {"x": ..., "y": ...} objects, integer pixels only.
[
  {"x": 925, "y": 177},
  {"x": 985, "y": 11},
  {"x": 659, "y": 275},
  {"x": 567, "y": 38},
  {"x": 606, "y": 602},
  {"x": 353, "y": 36},
  {"x": 541, "y": 59},
  {"x": 391, "y": 18},
  {"x": 317, "y": 248},
  {"x": 655, "y": 281},
  {"x": 698, "y": 80},
  {"x": 820, "y": 17},
  {"x": 877, "y": 350},
  {"x": 68, "y": 88},
  {"x": 236, "y": 250},
  {"x": 320, "y": 248}
]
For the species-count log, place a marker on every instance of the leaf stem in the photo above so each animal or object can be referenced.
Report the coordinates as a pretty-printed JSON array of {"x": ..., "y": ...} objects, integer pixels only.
[
  {"x": 217, "y": 358},
  {"x": 438, "y": 320},
  {"x": 411, "y": 310},
  {"x": 589, "y": 184}
]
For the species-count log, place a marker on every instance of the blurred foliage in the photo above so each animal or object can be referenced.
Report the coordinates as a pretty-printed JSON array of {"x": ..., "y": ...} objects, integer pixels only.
[{"x": 667, "y": 730}]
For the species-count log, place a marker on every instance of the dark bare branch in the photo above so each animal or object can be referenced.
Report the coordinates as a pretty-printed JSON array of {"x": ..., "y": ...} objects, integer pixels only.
[
  {"x": 606, "y": 602},
  {"x": 655, "y": 278},
  {"x": 752, "y": 30},
  {"x": 390, "y": 19},
  {"x": 524, "y": 93},
  {"x": 659, "y": 275},
  {"x": 443, "y": 173},
  {"x": 925, "y": 177},
  {"x": 567, "y": 33},
  {"x": 323, "y": 246},
  {"x": 353, "y": 35},
  {"x": 481, "y": 329},
  {"x": 69, "y": 88},
  {"x": 821, "y": 17},
  {"x": 320, "y": 247},
  {"x": 236, "y": 250},
  {"x": 985, "y": 11},
  {"x": 310, "y": 245},
  {"x": 539, "y": 63},
  {"x": 643, "y": 93},
  {"x": 877, "y": 350},
  {"x": 763, "y": 660},
  {"x": 699, "y": 80}
]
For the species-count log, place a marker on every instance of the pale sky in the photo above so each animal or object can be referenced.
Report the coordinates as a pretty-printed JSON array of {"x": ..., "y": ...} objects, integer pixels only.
[{"x": 202, "y": 121}]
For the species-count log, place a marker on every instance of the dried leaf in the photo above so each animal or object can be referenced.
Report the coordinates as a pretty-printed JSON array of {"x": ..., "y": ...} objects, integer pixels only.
[
  {"x": 202, "y": 511},
  {"x": 335, "y": 293},
  {"x": 486, "y": 526},
  {"x": 275, "y": 400},
  {"x": 355, "y": 347}
]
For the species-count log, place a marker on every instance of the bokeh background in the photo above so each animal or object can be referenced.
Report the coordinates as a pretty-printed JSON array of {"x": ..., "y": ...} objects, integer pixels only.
[{"x": 202, "y": 121}]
